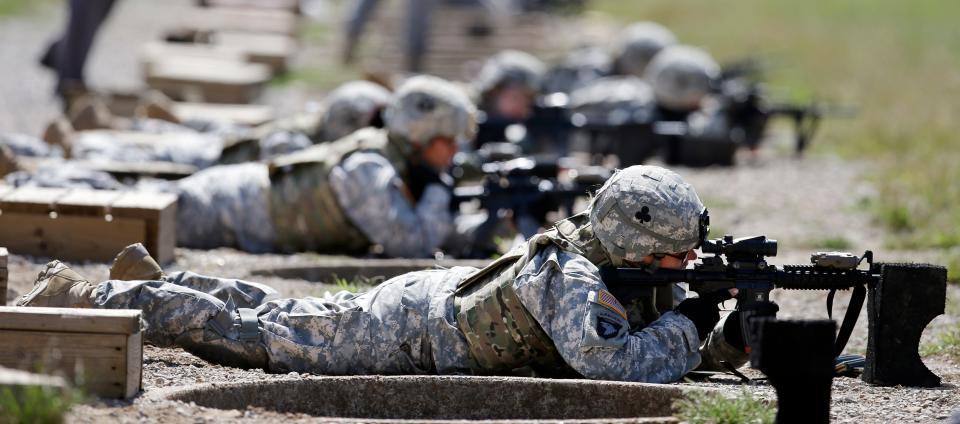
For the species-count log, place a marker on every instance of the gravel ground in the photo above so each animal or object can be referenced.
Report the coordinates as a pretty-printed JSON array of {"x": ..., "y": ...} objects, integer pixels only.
[{"x": 806, "y": 204}]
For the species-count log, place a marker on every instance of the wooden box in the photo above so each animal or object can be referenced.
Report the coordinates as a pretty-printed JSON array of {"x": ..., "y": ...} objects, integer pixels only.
[
  {"x": 273, "y": 50},
  {"x": 212, "y": 80},
  {"x": 81, "y": 224},
  {"x": 100, "y": 350},
  {"x": 241, "y": 19}
]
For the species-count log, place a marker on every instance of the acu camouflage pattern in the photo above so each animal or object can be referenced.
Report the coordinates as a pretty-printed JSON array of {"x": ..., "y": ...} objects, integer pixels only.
[
  {"x": 639, "y": 43},
  {"x": 426, "y": 107},
  {"x": 643, "y": 210},
  {"x": 682, "y": 76},
  {"x": 510, "y": 67},
  {"x": 502, "y": 336},
  {"x": 303, "y": 206},
  {"x": 350, "y": 107}
]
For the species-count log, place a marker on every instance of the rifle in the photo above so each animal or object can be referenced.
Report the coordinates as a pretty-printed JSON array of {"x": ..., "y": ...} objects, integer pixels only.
[
  {"x": 528, "y": 190},
  {"x": 903, "y": 298}
]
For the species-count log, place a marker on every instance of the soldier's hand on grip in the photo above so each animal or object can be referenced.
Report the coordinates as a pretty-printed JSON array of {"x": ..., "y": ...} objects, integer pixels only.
[{"x": 703, "y": 310}]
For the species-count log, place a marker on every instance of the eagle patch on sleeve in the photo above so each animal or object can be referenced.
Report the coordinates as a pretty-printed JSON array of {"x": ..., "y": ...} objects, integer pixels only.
[{"x": 605, "y": 325}]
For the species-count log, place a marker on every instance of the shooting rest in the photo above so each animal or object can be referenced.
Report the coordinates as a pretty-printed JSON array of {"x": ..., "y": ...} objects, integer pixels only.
[{"x": 82, "y": 224}]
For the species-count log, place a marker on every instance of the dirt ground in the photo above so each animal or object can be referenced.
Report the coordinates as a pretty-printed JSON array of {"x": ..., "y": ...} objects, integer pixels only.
[{"x": 807, "y": 204}]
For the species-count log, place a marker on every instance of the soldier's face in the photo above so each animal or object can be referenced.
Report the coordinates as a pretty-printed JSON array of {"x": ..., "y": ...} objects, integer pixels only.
[
  {"x": 439, "y": 153},
  {"x": 513, "y": 103},
  {"x": 673, "y": 260}
]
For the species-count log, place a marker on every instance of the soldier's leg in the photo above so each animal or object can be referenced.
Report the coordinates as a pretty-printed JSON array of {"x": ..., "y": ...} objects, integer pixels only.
[
  {"x": 245, "y": 294},
  {"x": 226, "y": 206},
  {"x": 174, "y": 315}
]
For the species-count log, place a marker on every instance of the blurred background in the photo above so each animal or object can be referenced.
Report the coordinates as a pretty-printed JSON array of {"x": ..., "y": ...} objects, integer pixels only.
[{"x": 897, "y": 62}]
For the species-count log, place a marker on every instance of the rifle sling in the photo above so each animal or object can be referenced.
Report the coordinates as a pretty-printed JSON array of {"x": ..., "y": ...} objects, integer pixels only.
[{"x": 850, "y": 317}]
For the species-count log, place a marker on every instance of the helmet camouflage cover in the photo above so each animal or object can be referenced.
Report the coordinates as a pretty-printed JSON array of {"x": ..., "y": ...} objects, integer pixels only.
[
  {"x": 426, "y": 107},
  {"x": 639, "y": 43},
  {"x": 643, "y": 210},
  {"x": 682, "y": 76},
  {"x": 351, "y": 106},
  {"x": 510, "y": 67}
]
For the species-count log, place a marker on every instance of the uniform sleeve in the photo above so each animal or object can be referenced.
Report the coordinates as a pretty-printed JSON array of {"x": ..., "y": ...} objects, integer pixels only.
[
  {"x": 371, "y": 194},
  {"x": 589, "y": 328}
]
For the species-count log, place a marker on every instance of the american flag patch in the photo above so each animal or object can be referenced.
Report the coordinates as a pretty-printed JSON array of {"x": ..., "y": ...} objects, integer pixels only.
[{"x": 606, "y": 299}]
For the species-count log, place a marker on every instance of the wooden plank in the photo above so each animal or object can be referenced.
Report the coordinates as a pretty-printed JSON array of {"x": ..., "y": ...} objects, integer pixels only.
[
  {"x": 288, "y": 5},
  {"x": 224, "y": 18},
  {"x": 134, "y": 364},
  {"x": 158, "y": 51},
  {"x": 242, "y": 114},
  {"x": 98, "y": 362},
  {"x": 70, "y": 237},
  {"x": 208, "y": 80},
  {"x": 273, "y": 50},
  {"x": 70, "y": 320}
]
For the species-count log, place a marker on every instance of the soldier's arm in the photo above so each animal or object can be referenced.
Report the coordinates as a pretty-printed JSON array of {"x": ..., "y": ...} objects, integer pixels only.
[
  {"x": 372, "y": 196},
  {"x": 565, "y": 295}
]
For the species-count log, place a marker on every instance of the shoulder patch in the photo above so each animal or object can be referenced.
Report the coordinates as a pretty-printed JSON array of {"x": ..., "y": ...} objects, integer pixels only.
[{"x": 607, "y": 300}]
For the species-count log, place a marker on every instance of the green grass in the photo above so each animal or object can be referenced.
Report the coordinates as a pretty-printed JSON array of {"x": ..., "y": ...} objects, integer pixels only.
[
  {"x": 947, "y": 343},
  {"x": 357, "y": 284},
  {"x": 323, "y": 74},
  {"x": 832, "y": 243},
  {"x": 715, "y": 408},
  {"x": 36, "y": 404},
  {"x": 896, "y": 61}
]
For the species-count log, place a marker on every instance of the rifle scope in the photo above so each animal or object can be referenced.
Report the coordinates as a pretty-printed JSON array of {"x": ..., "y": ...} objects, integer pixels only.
[{"x": 743, "y": 248}]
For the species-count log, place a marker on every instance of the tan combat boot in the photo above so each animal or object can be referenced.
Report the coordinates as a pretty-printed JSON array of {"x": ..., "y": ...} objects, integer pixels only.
[
  {"x": 89, "y": 112},
  {"x": 156, "y": 105},
  {"x": 59, "y": 286},
  {"x": 8, "y": 161},
  {"x": 135, "y": 263}
]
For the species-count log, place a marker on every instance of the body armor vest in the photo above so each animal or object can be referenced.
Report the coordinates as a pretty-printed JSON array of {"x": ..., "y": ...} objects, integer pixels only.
[
  {"x": 503, "y": 337},
  {"x": 303, "y": 206}
]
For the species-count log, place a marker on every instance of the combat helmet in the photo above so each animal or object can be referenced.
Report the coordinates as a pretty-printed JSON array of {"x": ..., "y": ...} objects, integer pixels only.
[
  {"x": 681, "y": 77},
  {"x": 638, "y": 44},
  {"x": 425, "y": 107},
  {"x": 350, "y": 107},
  {"x": 510, "y": 67},
  {"x": 645, "y": 210}
]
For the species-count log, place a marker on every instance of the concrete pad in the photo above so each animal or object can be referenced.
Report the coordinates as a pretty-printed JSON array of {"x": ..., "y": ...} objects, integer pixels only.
[
  {"x": 327, "y": 268},
  {"x": 404, "y": 399}
]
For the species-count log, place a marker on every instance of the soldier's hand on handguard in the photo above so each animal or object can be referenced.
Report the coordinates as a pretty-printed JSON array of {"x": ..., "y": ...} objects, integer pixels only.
[{"x": 703, "y": 310}]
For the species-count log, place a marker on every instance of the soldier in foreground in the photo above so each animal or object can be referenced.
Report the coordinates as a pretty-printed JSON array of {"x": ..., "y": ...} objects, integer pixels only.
[{"x": 541, "y": 309}]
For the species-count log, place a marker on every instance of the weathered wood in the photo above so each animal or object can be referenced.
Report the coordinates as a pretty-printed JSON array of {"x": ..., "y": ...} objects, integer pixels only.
[
  {"x": 326, "y": 270},
  {"x": 70, "y": 320},
  {"x": 238, "y": 19},
  {"x": 273, "y": 50},
  {"x": 288, "y": 5},
  {"x": 76, "y": 224},
  {"x": 157, "y": 169},
  {"x": 241, "y": 114},
  {"x": 100, "y": 350},
  {"x": 198, "y": 79}
]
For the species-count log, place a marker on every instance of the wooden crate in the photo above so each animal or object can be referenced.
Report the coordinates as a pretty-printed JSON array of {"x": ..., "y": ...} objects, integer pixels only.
[
  {"x": 100, "y": 349},
  {"x": 241, "y": 19},
  {"x": 273, "y": 50},
  {"x": 288, "y": 5},
  {"x": 200, "y": 79},
  {"x": 4, "y": 276},
  {"x": 80, "y": 224}
]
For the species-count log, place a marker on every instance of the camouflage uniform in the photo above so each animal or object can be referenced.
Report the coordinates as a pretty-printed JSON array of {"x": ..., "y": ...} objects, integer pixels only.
[{"x": 540, "y": 309}]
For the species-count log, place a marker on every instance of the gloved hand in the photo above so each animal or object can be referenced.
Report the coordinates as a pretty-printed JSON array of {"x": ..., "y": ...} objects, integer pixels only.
[
  {"x": 703, "y": 311},
  {"x": 422, "y": 175}
]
